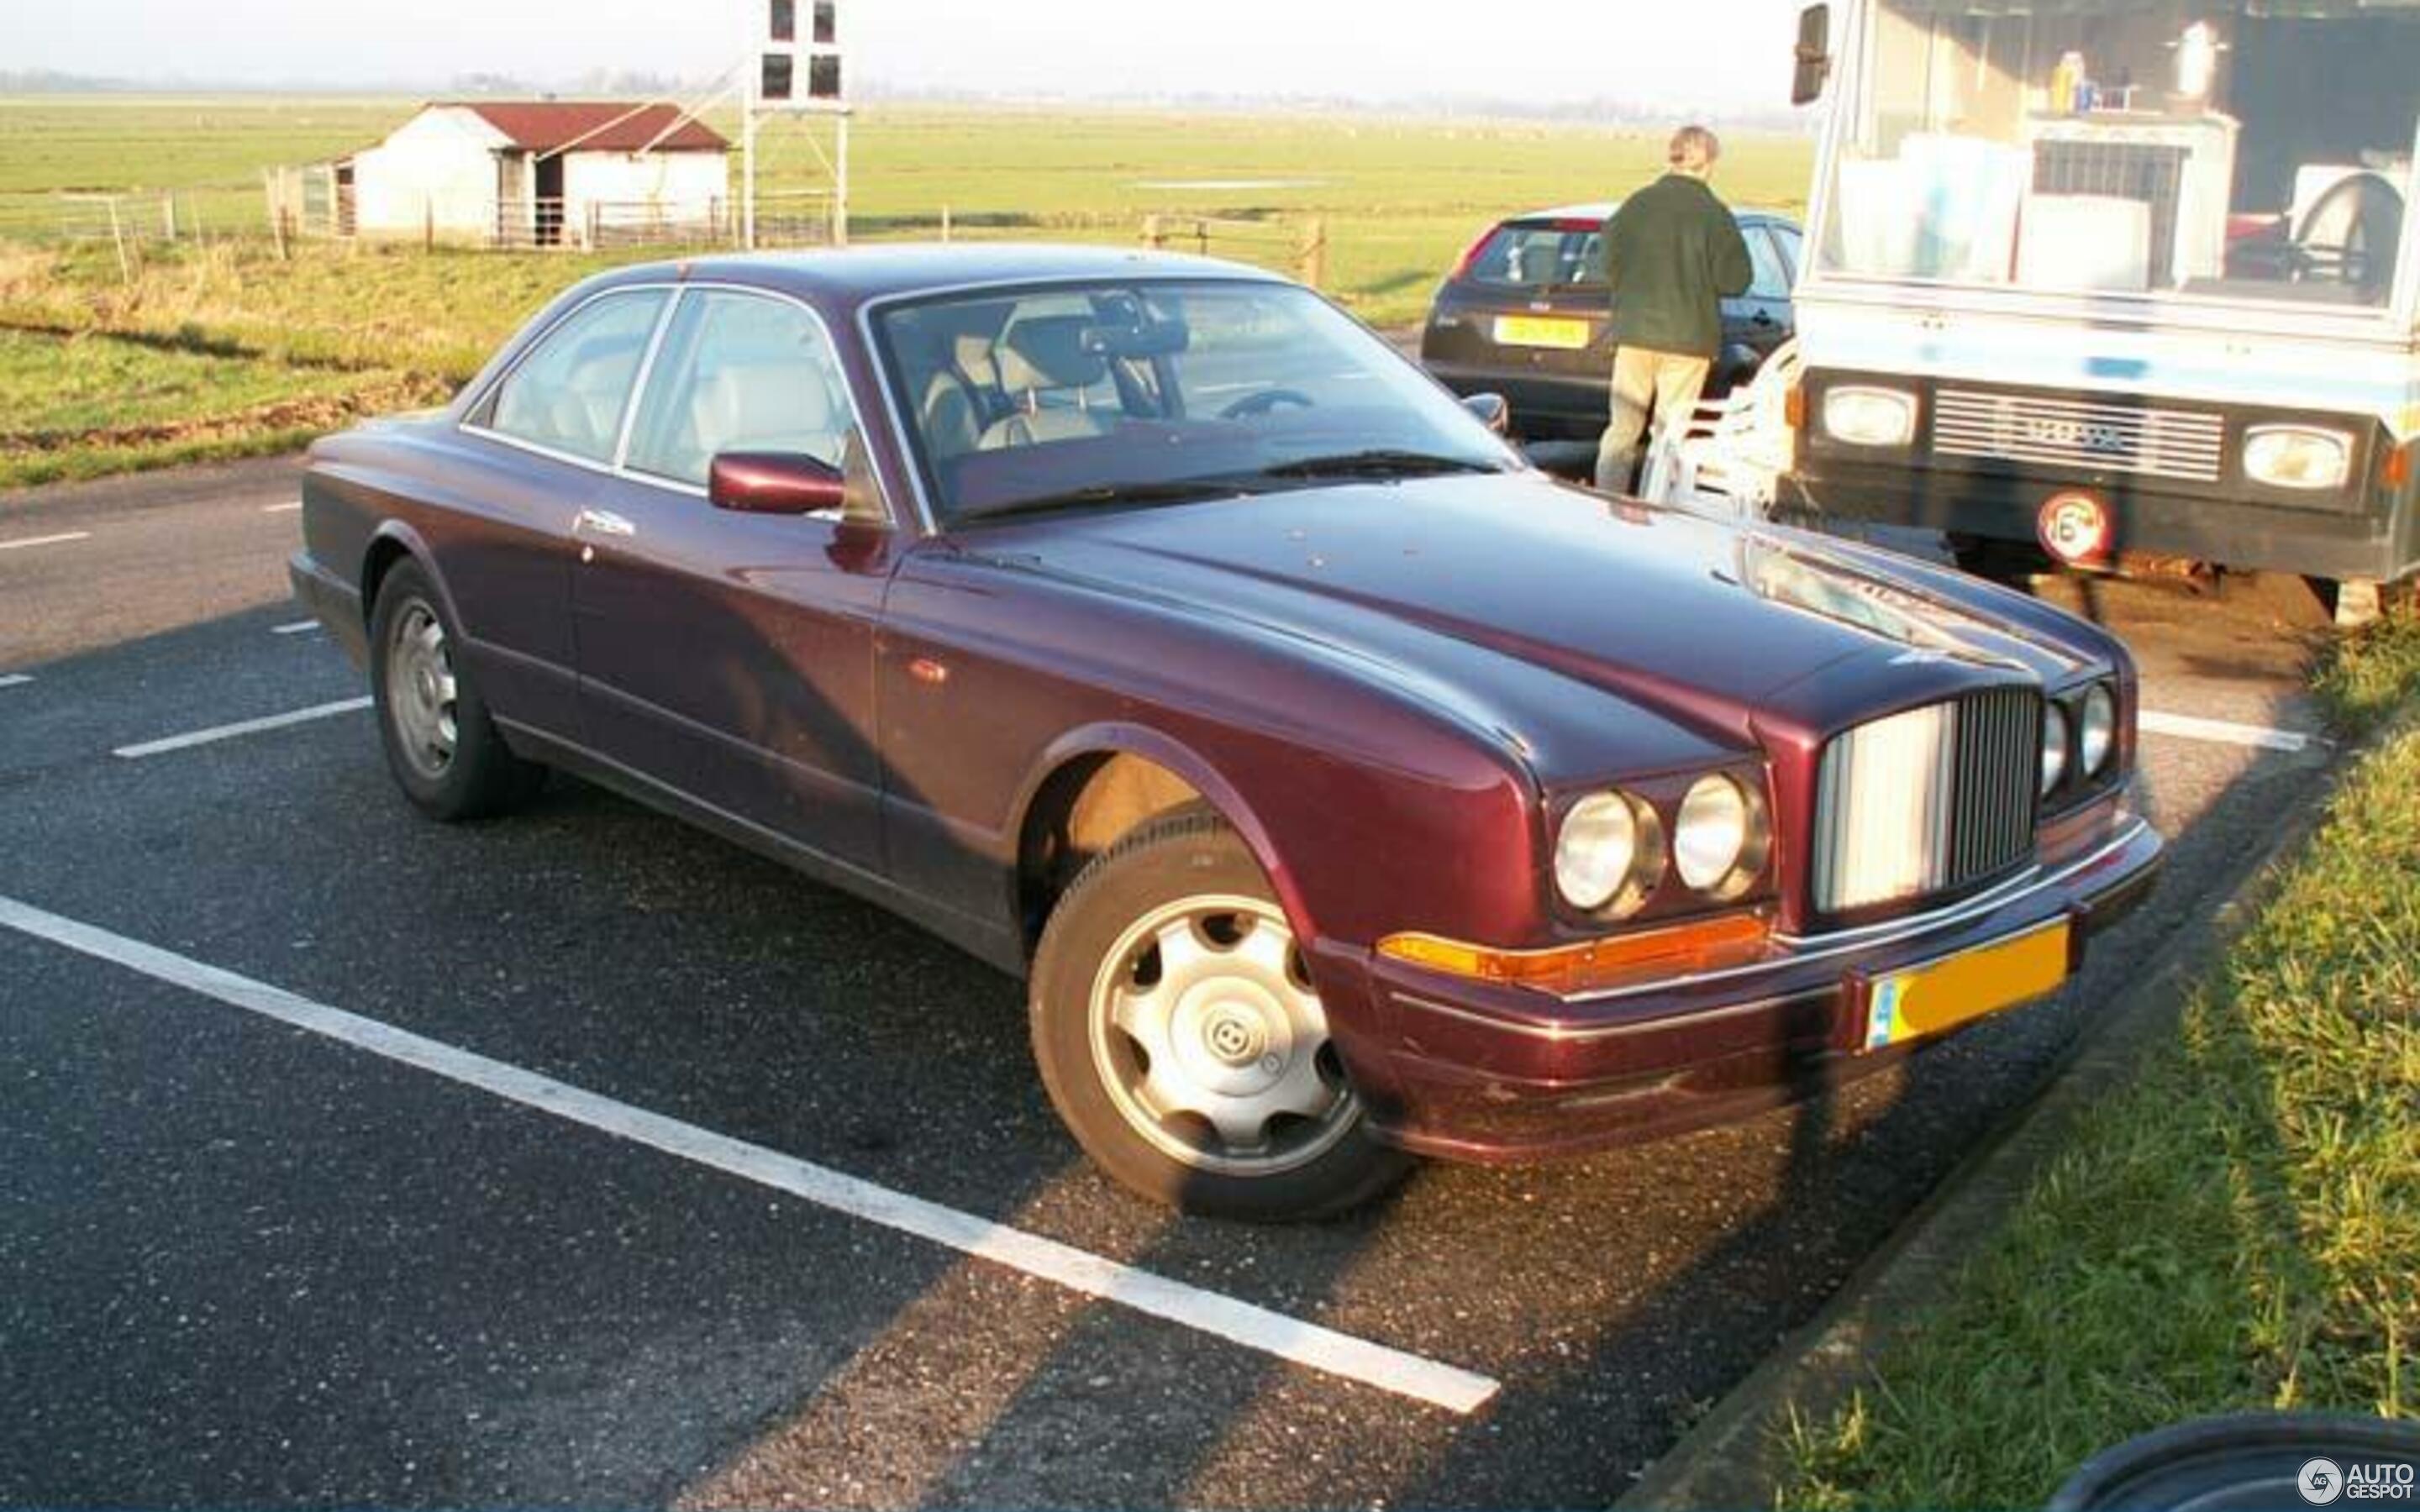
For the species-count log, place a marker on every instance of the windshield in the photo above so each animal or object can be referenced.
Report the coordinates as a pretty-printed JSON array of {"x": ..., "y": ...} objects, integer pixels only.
[
  {"x": 1127, "y": 394},
  {"x": 2156, "y": 147}
]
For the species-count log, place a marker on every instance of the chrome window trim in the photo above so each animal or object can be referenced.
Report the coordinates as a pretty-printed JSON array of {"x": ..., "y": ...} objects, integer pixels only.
[
  {"x": 1806, "y": 947},
  {"x": 640, "y": 379},
  {"x": 618, "y": 469}
]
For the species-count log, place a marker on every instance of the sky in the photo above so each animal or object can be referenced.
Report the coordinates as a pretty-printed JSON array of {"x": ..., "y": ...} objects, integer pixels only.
[{"x": 1717, "y": 56}]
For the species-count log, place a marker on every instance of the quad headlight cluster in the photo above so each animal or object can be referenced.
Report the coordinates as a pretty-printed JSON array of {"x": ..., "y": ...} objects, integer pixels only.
[
  {"x": 1615, "y": 848},
  {"x": 2079, "y": 737}
]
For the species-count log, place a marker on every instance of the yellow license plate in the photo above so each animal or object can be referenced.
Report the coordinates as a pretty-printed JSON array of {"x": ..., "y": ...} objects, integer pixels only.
[
  {"x": 1940, "y": 995},
  {"x": 1541, "y": 331}
]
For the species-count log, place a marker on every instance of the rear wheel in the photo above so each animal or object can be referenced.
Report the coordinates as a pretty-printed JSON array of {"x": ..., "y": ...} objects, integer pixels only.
[
  {"x": 1180, "y": 1037},
  {"x": 441, "y": 743}
]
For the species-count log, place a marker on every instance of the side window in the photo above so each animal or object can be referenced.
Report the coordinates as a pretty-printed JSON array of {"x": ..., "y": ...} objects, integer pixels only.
[
  {"x": 1772, "y": 273},
  {"x": 740, "y": 372},
  {"x": 570, "y": 391}
]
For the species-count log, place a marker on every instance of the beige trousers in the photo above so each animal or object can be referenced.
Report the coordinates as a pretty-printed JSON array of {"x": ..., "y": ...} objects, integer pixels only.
[{"x": 1669, "y": 383}]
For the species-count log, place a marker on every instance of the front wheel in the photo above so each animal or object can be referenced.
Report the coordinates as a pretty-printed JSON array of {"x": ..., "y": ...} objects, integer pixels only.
[
  {"x": 441, "y": 743},
  {"x": 1180, "y": 1037}
]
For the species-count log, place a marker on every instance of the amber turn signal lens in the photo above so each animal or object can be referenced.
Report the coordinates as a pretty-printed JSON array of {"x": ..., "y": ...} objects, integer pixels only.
[{"x": 1597, "y": 962}]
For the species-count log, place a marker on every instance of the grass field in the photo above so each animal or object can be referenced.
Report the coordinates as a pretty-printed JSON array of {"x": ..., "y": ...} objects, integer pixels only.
[
  {"x": 2239, "y": 1230},
  {"x": 226, "y": 338}
]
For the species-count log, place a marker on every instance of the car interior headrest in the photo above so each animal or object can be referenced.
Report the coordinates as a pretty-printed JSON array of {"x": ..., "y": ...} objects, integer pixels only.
[{"x": 1050, "y": 352}]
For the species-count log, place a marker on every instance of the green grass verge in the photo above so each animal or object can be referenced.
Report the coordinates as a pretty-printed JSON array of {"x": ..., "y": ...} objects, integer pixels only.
[{"x": 2238, "y": 1229}]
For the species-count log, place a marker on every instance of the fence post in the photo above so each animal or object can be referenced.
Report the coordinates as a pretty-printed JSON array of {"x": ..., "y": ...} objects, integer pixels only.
[
  {"x": 168, "y": 214},
  {"x": 118, "y": 238},
  {"x": 1152, "y": 234},
  {"x": 428, "y": 223},
  {"x": 945, "y": 222},
  {"x": 1315, "y": 253},
  {"x": 1201, "y": 236}
]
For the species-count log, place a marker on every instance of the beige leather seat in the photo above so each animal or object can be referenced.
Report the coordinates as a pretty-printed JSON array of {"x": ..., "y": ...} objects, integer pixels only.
[
  {"x": 954, "y": 410},
  {"x": 758, "y": 407},
  {"x": 1045, "y": 355}
]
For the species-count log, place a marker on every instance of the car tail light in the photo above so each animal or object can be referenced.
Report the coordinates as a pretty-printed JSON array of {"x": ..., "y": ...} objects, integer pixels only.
[{"x": 1470, "y": 254}]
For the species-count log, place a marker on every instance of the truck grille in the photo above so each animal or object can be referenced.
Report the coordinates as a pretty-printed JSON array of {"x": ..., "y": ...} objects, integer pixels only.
[
  {"x": 2015, "y": 427},
  {"x": 1927, "y": 801}
]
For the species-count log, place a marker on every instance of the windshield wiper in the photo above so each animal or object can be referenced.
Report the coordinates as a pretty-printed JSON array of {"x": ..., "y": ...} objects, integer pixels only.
[
  {"x": 1180, "y": 491},
  {"x": 1378, "y": 462}
]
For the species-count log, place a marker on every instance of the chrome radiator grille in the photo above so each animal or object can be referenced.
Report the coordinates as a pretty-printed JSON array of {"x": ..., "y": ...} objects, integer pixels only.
[
  {"x": 1928, "y": 800},
  {"x": 2015, "y": 427}
]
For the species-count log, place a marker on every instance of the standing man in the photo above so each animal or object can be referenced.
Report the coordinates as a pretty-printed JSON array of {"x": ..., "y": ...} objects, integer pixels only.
[{"x": 1673, "y": 254}]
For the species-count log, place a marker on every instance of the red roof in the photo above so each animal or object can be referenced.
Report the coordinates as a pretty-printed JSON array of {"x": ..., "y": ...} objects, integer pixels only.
[{"x": 596, "y": 126}]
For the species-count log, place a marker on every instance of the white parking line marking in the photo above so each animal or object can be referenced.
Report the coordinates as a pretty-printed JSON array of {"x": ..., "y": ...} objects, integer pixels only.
[
  {"x": 14, "y": 680},
  {"x": 288, "y": 507},
  {"x": 45, "y": 540},
  {"x": 297, "y": 627},
  {"x": 2260, "y": 738},
  {"x": 1093, "y": 1275},
  {"x": 247, "y": 727}
]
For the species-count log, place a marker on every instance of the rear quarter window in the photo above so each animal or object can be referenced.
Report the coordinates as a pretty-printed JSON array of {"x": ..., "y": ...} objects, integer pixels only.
[{"x": 570, "y": 393}]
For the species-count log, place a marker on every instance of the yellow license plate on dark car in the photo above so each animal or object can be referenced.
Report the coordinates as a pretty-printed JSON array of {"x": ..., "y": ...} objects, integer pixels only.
[
  {"x": 1941, "y": 994},
  {"x": 1541, "y": 331}
]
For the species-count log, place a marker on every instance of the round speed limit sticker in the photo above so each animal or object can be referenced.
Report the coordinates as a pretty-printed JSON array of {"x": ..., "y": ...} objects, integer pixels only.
[{"x": 2074, "y": 527}]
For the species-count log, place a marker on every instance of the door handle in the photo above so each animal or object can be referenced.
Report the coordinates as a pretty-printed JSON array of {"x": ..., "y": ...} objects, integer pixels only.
[{"x": 603, "y": 522}]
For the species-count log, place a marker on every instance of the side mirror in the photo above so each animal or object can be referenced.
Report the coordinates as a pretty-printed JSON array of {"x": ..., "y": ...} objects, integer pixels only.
[
  {"x": 1493, "y": 410},
  {"x": 1814, "y": 56},
  {"x": 774, "y": 483}
]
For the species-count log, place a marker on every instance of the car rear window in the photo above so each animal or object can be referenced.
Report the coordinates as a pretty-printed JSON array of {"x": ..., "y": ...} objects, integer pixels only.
[{"x": 1540, "y": 256}]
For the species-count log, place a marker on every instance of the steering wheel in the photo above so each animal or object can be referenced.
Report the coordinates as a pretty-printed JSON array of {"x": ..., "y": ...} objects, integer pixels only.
[
  {"x": 1264, "y": 401},
  {"x": 2350, "y": 234}
]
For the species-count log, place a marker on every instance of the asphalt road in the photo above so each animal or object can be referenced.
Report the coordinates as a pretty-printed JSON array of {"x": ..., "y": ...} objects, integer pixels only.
[{"x": 241, "y": 1261}]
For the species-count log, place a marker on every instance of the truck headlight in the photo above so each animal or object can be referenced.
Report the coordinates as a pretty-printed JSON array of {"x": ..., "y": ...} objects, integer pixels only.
[
  {"x": 1718, "y": 839},
  {"x": 2055, "y": 747},
  {"x": 2298, "y": 456},
  {"x": 1869, "y": 417},
  {"x": 1606, "y": 846},
  {"x": 2098, "y": 736}
]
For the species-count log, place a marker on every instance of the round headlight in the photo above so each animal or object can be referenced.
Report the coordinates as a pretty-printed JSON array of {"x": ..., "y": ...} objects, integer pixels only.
[
  {"x": 1712, "y": 836},
  {"x": 2055, "y": 743},
  {"x": 1597, "y": 850},
  {"x": 2099, "y": 737}
]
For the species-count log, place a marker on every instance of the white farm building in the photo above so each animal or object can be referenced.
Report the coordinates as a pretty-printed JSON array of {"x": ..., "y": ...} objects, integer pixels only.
[{"x": 539, "y": 172}]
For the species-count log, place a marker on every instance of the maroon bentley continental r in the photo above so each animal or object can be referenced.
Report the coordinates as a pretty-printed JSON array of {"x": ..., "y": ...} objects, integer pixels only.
[{"x": 1345, "y": 789}]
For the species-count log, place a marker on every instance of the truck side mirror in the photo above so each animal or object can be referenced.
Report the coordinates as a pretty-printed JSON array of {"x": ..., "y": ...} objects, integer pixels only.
[{"x": 1814, "y": 56}]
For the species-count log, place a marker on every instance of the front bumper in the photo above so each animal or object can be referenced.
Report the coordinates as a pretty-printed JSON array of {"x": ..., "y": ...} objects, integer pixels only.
[
  {"x": 333, "y": 602},
  {"x": 1475, "y": 1072}
]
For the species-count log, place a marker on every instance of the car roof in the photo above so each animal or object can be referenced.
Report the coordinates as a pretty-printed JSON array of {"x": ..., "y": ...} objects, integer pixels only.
[
  {"x": 1602, "y": 210},
  {"x": 864, "y": 274}
]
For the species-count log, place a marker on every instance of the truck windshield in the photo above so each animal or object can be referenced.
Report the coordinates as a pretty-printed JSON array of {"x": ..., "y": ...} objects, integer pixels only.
[{"x": 2242, "y": 151}]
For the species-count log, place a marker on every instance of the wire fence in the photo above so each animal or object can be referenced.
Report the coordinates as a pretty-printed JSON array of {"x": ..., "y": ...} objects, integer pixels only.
[
  {"x": 1297, "y": 249},
  {"x": 315, "y": 204}
]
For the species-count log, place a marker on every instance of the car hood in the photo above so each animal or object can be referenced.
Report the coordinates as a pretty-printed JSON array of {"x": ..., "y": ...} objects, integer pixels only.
[{"x": 1500, "y": 593}]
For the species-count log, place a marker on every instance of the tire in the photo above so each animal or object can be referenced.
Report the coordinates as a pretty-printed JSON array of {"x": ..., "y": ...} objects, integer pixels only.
[
  {"x": 441, "y": 743},
  {"x": 1246, "y": 1111}
]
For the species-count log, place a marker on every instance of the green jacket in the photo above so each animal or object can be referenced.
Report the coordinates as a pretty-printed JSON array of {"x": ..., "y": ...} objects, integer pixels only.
[{"x": 1673, "y": 253}]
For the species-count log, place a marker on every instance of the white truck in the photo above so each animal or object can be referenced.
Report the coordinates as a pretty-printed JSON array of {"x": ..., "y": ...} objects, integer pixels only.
[{"x": 2127, "y": 278}]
